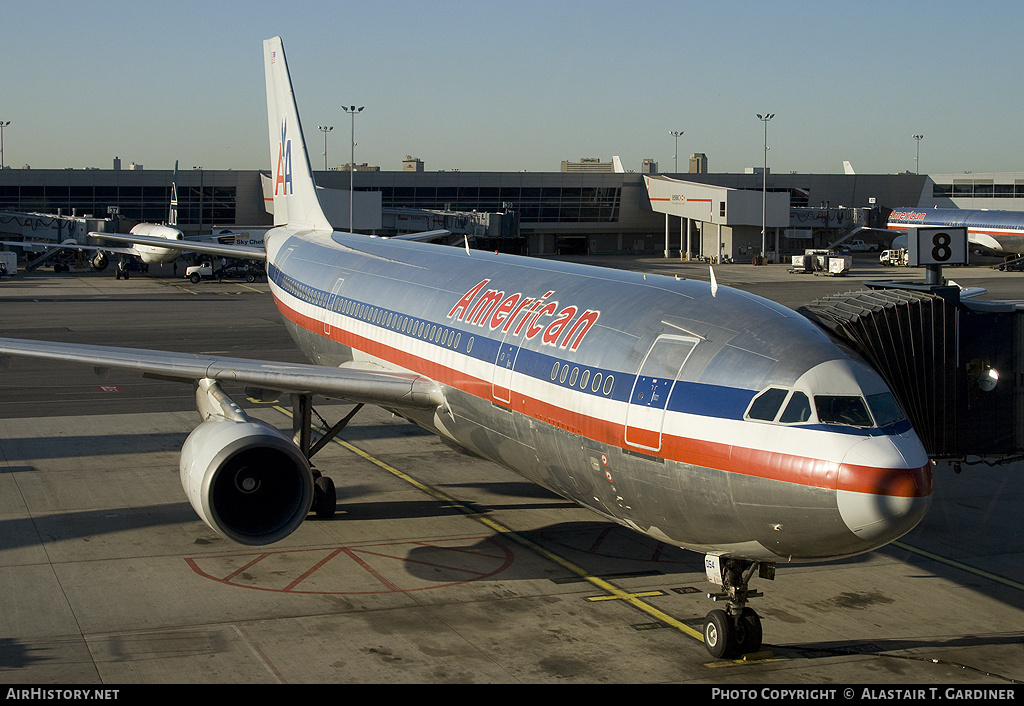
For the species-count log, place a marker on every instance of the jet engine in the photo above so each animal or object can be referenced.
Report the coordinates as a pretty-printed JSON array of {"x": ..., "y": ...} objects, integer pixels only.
[
  {"x": 100, "y": 261},
  {"x": 246, "y": 480}
]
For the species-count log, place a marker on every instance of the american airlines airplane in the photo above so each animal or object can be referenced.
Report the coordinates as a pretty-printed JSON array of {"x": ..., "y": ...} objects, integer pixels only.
[
  {"x": 999, "y": 231},
  {"x": 698, "y": 415},
  {"x": 145, "y": 242},
  {"x": 150, "y": 252}
]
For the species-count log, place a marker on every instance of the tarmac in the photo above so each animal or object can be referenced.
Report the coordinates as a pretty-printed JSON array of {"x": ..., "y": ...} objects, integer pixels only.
[{"x": 438, "y": 567}]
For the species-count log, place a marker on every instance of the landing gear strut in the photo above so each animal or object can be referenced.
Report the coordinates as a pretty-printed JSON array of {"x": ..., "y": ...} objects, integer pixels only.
[
  {"x": 737, "y": 629},
  {"x": 325, "y": 499}
]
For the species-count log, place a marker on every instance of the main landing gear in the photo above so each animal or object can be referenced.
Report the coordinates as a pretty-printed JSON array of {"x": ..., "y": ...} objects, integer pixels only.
[
  {"x": 325, "y": 498},
  {"x": 736, "y": 630}
]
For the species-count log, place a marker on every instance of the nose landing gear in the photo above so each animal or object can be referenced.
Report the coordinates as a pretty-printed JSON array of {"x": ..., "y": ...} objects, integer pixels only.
[{"x": 736, "y": 630}]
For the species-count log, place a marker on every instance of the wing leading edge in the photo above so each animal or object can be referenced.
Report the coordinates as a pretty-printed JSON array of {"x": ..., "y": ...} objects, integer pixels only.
[
  {"x": 378, "y": 388},
  {"x": 239, "y": 251}
]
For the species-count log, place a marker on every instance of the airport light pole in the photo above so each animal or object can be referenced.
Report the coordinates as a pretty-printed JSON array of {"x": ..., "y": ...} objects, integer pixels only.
[
  {"x": 764, "y": 181},
  {"x": 200, "y": 170},
  {"x": 352, "y": 110},
  {"x": 325, "y": 129},
  {"x": 676, "y": 135},
  {"x": 917, "y": 159},
  {"x": 3, "y": 124}
]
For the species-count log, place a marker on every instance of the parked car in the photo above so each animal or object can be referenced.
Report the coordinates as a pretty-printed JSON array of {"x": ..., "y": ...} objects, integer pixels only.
[{"x": 197, "y": 273}]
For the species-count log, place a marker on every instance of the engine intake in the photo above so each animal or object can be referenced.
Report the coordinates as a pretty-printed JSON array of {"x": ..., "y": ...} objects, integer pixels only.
[{"x": 246, "y": 480}]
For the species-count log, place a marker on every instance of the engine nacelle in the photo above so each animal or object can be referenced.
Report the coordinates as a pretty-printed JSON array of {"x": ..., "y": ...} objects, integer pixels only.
[{"x": 247, "y": 480}]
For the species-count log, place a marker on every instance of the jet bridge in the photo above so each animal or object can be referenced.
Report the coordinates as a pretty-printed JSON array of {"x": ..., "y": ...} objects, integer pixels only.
[
  {"x": 954, "y": 363},
  {"x": 51, "y": 229}
]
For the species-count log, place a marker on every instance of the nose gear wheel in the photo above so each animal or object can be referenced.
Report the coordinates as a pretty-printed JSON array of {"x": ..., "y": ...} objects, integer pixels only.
[{"x": 736, "y": 630}]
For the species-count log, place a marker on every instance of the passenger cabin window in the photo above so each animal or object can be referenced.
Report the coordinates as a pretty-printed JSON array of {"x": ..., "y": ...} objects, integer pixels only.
[{"x": 846, "y": 410}]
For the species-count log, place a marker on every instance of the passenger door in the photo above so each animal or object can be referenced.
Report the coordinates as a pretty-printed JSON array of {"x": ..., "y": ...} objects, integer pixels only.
[{"x": 645, "y": 414}]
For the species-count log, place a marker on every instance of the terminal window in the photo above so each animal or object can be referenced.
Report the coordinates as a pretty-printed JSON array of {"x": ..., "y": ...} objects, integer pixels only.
[
  {"x": 533, "y": 204},
  {"x": 141, "y": 203}
]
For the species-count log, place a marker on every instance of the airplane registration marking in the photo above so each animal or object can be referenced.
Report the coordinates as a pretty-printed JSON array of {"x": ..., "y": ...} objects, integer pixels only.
[{"x": 614, "y": 591}]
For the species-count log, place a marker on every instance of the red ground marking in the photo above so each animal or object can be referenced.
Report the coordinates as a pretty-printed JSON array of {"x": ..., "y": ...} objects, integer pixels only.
[{"x": 392, "y": 566}]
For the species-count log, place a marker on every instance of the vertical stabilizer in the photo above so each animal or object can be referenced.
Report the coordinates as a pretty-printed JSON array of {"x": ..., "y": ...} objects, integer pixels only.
[
  {"x": 295, "y": 200},
  {"x": 172, "y": 214}
]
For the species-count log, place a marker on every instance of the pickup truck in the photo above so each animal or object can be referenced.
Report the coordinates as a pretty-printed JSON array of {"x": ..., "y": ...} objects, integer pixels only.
[
  {"x": 197, "y": 273},
  {"x": 861, "y": 246}
]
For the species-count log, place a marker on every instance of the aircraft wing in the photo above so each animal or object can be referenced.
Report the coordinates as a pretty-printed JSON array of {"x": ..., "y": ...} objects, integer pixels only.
[
  {"x": 426, "y": 235},
  {"x": 378, "y": 388},
  {"x": 73, "y": 246},
  {"x": 239, "y": 251}
]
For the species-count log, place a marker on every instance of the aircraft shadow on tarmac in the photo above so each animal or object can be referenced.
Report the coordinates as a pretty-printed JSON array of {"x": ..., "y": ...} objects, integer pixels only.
[
  {"x": 601, "y": 549},
  {"x": 15, "y": 654},
  {"x": 22, "y": 449},
  {"x": 86, "y": 524},
  {"x": 817, "y": 650}
]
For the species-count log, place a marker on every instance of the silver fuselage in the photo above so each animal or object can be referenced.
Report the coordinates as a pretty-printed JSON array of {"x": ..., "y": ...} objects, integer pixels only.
[{"x": 628, "y": 393}]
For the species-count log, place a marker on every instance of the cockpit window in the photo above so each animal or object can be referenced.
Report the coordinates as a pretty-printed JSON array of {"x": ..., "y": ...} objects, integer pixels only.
[
  {"x": 766, "y": 405},
  {"x": 885, "y": 409},
  {"x": 847, "y": 410},
  {"x": 798, "y": 410}
]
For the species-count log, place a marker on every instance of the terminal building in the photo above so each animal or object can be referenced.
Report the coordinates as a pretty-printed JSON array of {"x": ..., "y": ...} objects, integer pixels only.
[{"x": 536, "y": 213}]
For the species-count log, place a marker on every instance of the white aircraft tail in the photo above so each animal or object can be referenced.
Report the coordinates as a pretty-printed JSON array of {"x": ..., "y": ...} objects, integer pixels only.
[
  {"x": 172, "y": 213},
  {"x": 295, "y": 200}
]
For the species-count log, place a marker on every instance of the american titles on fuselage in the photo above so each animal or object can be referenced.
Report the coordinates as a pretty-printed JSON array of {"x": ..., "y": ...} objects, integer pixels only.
[
  {"x": 496, "y": 310},
  {"x": 908, "y": 216}
]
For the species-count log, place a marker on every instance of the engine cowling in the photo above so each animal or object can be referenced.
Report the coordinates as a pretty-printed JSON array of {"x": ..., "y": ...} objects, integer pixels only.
[{"x": 246, "y": 480}]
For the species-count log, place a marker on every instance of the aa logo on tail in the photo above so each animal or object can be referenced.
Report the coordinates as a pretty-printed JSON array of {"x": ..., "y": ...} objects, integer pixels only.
[{"x": 283, "y": 178}]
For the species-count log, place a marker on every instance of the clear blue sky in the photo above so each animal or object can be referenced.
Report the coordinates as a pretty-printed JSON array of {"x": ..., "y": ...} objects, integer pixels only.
[{"x": 482, "y": 85}]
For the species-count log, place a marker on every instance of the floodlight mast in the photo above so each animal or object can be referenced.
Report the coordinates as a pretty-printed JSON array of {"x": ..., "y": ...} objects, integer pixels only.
[
  {"x": 764, "y": 181},
  {"x": 352, "y": 110}
]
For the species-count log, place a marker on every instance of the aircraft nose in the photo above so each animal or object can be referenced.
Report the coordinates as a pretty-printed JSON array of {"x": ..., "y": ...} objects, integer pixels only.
[{"x": 884, "y": 489}]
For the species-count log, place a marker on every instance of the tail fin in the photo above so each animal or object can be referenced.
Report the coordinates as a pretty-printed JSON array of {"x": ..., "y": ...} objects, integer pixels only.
[
  {"x": 172, "y": 214},
  {"x": 295, "y": 200}
]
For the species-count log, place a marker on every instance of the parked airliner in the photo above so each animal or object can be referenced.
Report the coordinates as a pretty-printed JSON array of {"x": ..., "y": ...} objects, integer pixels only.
[
  {"x": 999, "y": 231},
  {"x": 696, "y": 414},
  {"x": 151, "y": 252}
]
